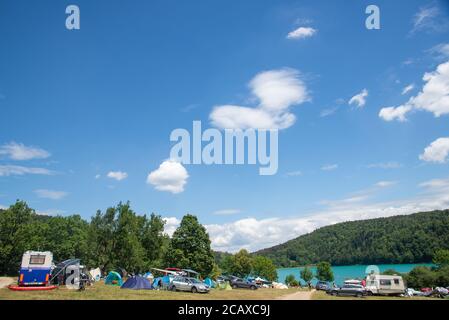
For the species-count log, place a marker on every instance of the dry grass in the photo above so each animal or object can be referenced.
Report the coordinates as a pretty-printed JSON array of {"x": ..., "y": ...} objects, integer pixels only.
[{"x": 100, "y": 291}]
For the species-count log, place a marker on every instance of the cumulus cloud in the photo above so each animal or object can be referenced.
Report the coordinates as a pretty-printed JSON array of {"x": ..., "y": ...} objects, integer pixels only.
[
  {"x": 359, "y": 99},
  {"x": 171, "y": 176},
  {"x": 117, "y": 175},
  {"x": 301, "y": 33},
  {"x": 171, "y": 223},
  {"x": 50, "y": 194},
  {"x": 437, "y": 151},
  {"x": 276, "y": 92},
  {"x": 18, "y": 151},
  {"x": 12, "y": 170},
  {"x": 434, "y": 97}
]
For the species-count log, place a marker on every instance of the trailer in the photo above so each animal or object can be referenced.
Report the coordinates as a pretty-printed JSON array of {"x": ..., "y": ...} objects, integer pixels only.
[
  {"x": 378, "y": 284},
  {"x": 35, "y": 269}
]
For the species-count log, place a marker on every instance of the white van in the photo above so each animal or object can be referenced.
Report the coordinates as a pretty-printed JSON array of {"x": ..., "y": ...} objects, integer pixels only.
[{"x": 378, "y": 284}]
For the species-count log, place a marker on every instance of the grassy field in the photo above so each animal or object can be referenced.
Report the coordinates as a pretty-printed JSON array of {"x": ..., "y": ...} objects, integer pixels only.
[
  {"x": 99, "y": 291},
  {"x": 321, "y": 295}
]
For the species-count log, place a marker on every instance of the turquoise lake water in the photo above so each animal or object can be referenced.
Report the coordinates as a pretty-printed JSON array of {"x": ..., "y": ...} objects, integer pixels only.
[{"x": 342, "y": 273}]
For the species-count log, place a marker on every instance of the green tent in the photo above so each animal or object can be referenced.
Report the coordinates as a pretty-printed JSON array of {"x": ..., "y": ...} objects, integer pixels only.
[{"x": 114, "y": 279}]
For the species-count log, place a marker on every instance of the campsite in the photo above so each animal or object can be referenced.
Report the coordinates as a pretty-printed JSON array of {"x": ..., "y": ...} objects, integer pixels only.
[{"x": 122, "y": 255}]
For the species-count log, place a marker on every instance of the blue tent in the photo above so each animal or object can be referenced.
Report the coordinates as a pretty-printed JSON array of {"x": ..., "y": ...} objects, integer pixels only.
[
  {"x": 137, "y": 283},
  {"x": 209, "y": 282},
  {"x": 113, "y": 278}
]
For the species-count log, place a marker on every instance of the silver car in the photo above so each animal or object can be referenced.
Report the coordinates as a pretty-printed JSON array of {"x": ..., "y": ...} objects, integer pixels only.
[{"x": 188, "y": 284}]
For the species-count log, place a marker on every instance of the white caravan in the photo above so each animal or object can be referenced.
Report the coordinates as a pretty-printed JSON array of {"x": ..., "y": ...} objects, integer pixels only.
[{"x": 379, "y": 284}]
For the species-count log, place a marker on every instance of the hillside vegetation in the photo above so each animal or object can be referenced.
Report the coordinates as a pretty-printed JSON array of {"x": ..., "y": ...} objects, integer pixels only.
[{"x": 399, "y": 239}]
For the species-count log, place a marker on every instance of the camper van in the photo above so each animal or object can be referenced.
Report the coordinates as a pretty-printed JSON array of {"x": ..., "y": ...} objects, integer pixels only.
[
  {"x": 36, "y": 268},
  {"x": 378, "y": 284}
]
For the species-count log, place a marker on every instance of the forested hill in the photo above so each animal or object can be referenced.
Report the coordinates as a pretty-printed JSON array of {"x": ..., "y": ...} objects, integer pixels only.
[{"x": 399, "y": 239}]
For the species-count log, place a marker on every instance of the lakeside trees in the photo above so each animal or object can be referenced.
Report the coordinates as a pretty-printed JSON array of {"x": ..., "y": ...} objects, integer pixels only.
[{"x": 243, "y": 264}]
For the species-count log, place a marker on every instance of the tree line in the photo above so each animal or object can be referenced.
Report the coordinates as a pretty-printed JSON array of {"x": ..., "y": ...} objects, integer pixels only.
[
  {"x": 428, "y": 277},
  {"x": 118, "y": 238},
  {"x": 115, "y": 238},
  {"x": 393, "y": 240}
]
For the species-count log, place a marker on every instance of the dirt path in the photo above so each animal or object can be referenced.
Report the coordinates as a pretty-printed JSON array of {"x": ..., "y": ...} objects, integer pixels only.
[
  {"x": 5, "y": 281},
  {"x": 300, "y": 295}
]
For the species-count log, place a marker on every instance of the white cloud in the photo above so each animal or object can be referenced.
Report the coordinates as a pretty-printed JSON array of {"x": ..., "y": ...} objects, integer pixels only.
[
  {"x": 97, "y": 176},
  {"x": 385, "y": 165},
  {"x": 301, "y": 33},
  {"x": 171, "y": 223},
  {"x": 226, "y": 212},
  {"x": 437, "y": 151},
  {"x": 171, "y": 176},
  {"x": 18, "y": 151},
  {"x": 254, "y": 234},
  {"x": 50, "y": 194},
  {"x": 276, "y": 91},
  {"x": 117, "y": 175},
  {"x": 359, "y": 99},
  {"x": 395, "y": 113},
  {"x": 385, "y": 184},
  {"x": 11, "y": 170},
  {"x": 434, "y": 97},
  {"x": 440, "y": 51},
  {"x": 329, "y": 167},
  {"x": 436, "y": 184},
  {"x": 408, "y": 88},
  {"x": 429, "y": 19}
]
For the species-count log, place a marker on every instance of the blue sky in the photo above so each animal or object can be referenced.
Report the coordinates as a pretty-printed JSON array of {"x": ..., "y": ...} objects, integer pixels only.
[{"x": 77, "y": 105}]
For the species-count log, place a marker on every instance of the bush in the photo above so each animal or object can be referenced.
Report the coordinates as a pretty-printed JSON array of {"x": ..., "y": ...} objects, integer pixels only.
[
  {"x": 291, "y": 281},
  {"x": 421, "y": 277}
]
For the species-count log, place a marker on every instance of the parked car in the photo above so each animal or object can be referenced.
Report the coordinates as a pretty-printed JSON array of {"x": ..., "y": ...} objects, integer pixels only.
[
  {"x": 240, "y": 283},
  {"x": 322, "y": 285},
  {"x": 188, "y": 284},
  {"x": 354, "y": 290}
]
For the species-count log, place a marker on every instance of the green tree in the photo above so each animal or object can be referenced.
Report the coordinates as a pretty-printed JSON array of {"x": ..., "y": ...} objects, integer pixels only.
[
  {"x": 264, "y": 267},
  {"x": 324, "y": 272},
  {"x": 441, "y": 257},
  {"x": 190, "y": 247},
  {"x": 420, "y": 277},
  {"x": 128, "y": 251},
  {"x": 15, "y": 236},
  {"x": 153, "y": 240},
  {"x": 242, "y": 263},
  {"x": 306, "y": 275},
  {"x": 102, "y": 240},
  {"x": 291, "y": 281}
]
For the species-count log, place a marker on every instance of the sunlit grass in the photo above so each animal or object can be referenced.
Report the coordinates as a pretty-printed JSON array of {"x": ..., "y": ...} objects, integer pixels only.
[{"x": 100, "y": 291}]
